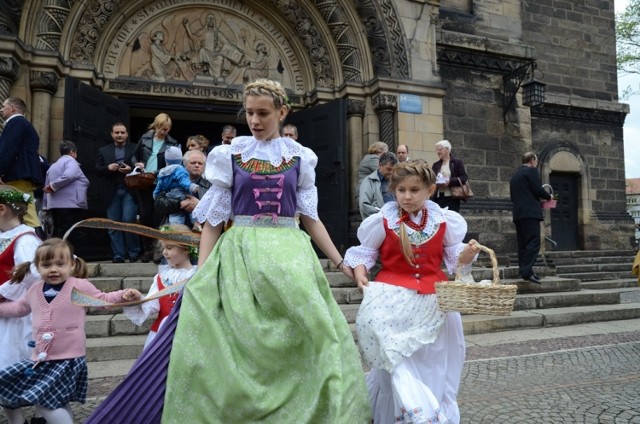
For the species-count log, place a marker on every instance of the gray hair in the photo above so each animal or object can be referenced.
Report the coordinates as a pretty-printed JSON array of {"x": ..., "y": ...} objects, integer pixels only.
[
  {"x": 388, "y": 157},
  {"x": 444, "y": 144},
  {"x": 189, "y": 153}
]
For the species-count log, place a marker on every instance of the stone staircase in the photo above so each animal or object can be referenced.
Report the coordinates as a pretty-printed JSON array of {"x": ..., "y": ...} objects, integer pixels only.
[{"x": 579, "y": 287}]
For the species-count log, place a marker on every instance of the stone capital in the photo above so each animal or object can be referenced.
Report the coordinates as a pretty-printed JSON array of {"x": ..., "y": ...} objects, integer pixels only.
[
  {"x": 355, "y": 108},
  {"x": 9, "y": 68},
  {"x": 385, "y": 102},
  {"x": 46, "y": 81}
]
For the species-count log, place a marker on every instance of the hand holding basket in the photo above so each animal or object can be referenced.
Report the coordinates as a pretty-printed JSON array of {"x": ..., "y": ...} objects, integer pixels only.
[{"x": 472, "y": 298}]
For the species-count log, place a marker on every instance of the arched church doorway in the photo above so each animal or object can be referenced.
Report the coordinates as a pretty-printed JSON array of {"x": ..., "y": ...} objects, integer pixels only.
[
  {"x": 89, "y": 114},
  {"x": 564, "y": 217}
]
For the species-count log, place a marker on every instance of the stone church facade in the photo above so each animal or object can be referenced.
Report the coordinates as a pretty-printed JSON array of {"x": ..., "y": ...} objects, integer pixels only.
[{"x": 408, "y": 72}]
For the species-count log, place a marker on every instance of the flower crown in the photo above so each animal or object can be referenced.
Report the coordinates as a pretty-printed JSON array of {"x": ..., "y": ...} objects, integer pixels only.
[
  {"x": 14, "y": 196},
  {"x": 191, "y": 250}
]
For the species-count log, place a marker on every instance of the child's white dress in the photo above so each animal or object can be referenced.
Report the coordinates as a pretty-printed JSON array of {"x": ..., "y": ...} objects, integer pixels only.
[
  {"x": 17, "y": 245},
  {"x": 416, "y": 351},
  {"x": 165, "y": 277}
]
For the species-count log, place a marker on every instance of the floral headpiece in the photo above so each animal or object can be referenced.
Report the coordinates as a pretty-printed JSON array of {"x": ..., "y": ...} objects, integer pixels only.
[
  {"x": 191, "y": 249},
  {"x": 11, "y": 197}
]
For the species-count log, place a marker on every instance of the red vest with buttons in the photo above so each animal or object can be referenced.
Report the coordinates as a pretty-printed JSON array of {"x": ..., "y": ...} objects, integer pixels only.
[
  {"x": 6, "y": 258},
  {"x": 166, "y": 305},
  {"x": 426, "y": 271}
]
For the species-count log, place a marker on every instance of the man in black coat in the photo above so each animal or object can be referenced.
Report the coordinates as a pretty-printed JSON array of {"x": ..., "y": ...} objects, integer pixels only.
[
  {"x": 19, "y": 160},
  {"x": 114, "y": 162},
  {"x": 526, "y": 191}
]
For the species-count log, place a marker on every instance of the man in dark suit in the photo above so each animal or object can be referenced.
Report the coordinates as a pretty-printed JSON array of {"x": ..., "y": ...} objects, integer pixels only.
[
  {"x": 526, "y": 191},
  {"x": 114, "y": 162},
  {"x": 19, "y": 160}
]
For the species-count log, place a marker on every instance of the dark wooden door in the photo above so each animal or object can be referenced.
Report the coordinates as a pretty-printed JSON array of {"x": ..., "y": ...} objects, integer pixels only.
[
  {"x": 564, "y": 218},
  {"x": 323, "y": 129},
  {"x": 88, "y": 117}
]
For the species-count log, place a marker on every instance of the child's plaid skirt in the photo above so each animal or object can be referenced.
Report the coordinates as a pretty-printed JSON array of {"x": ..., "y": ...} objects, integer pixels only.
[{"x": 53, "y": 384}]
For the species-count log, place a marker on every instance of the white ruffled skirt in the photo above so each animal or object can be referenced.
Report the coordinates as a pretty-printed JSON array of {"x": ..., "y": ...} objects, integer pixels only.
[{"x": 416, "y": 353}]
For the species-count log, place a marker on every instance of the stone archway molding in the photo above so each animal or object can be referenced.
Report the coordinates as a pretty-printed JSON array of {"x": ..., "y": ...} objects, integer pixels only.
[{"x": 78, "y": 36}]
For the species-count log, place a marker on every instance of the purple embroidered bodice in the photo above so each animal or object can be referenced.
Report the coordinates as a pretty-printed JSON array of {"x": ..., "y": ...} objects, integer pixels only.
[{"x": 265, "y": 194}]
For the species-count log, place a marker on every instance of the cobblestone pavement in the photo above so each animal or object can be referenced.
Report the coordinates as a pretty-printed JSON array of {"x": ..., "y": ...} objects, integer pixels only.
[{"x": 584, "y": 379}]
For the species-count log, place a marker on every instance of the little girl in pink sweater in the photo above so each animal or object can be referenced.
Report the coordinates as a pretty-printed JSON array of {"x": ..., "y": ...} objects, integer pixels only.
[{"x": 57, "y": 371}]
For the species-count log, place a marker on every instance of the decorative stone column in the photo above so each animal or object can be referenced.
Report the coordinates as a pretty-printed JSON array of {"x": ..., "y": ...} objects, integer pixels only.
[
  {"x": 385, "y": 106},
  {"x": 43, "y": 85},
  {"x": 9, "y": 68},
  {"x": 355, "y": 113}
]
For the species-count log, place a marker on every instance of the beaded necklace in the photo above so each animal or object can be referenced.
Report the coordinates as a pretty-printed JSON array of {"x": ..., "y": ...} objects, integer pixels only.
[{"x": 404, "y": 217}]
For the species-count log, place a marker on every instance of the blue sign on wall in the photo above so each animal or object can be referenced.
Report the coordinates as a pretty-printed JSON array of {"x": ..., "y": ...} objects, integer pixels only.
[{"x": 410, "y": 103}]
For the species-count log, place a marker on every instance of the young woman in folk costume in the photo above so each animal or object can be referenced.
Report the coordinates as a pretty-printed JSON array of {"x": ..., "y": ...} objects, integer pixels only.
[
  {"x": 416, "y": 352},
  {"x": 257, "y": 335},
  {"x": 18, "y": 244}
]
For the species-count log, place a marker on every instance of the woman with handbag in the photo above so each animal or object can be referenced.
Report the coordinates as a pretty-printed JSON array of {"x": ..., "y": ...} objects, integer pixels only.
[
  {"x": 450, "y": 173},
  {"x": 149, "y": 157}
]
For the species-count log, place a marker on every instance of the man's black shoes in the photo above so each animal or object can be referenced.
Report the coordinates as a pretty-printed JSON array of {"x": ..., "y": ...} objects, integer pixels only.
[{"x": 533, "y": 279}]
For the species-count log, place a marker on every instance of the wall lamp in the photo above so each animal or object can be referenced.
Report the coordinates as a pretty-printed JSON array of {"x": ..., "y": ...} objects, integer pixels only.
[{"x": 532, "y": 90}]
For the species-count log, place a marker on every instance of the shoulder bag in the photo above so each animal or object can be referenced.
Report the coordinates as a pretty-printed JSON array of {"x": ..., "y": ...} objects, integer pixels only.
[{"x": 462, "y": 192}]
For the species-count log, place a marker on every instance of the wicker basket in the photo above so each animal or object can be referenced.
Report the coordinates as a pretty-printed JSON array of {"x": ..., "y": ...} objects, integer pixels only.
[
  {"x": 496, "y": 299},
  {"x": 140, "y": 181}
]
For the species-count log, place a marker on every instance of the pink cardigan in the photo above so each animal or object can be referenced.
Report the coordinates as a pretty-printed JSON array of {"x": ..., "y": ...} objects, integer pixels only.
[{"x": 60, "y": 318}]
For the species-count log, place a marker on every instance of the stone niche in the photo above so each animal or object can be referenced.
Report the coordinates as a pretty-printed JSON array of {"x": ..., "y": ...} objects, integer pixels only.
[{"x": 213, "y": 44}]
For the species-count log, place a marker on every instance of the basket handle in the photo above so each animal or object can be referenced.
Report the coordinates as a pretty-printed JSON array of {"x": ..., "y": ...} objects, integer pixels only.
[
  {"x": 550, "y": 188},
  {"x": 494, "y": 264}
]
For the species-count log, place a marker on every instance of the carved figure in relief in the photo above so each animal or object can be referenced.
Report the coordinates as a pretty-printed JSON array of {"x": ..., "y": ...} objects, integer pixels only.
[
  {"x": 160, "y": 58},
  {"x": 259, "y": 66},
  {"x": 211, "y": 51},
  {"x": 151, "y": 59}
]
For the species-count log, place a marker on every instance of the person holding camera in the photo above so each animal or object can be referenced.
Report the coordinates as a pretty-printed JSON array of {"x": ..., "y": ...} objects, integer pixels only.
[{"x": 114, "y": 162}]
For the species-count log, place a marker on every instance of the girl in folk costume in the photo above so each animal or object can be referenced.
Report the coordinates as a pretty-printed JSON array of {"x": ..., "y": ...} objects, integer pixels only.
[
  {"x": 18, "y": 244},
  {"x": 56, "y": 374},
  {"x": 177, "y": 269},
  {"x": 415, "y": 351},
  {"x": 256, "y": 335}
]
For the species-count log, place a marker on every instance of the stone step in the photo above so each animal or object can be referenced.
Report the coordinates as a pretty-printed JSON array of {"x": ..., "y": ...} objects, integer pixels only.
[
  {"x": 531, "y": 301},
  {"x": 610, "y": 284},
  {"x": 112, "y": 368},
  {"x": 478, "y": 324},
  {"x": 597, "y": 276},
  {"x": 555, "y": 254},
  {"x": 596, "y": 260},
  {"x": 128, "y": 347},
  {"x": 114, "y": 348},
  {"x": 588, "y": 267}
]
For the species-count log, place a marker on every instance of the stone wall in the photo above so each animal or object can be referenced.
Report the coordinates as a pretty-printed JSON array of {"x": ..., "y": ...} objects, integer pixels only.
[{"x": 575, "y": 46}]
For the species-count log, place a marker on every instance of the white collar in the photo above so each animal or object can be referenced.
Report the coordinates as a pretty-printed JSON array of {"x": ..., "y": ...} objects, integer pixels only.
[{"x": 275, "y": 150}]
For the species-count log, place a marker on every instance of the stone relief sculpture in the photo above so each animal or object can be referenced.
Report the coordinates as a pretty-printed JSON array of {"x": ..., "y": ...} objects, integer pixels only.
[
  {"x": 211, "y": 51},
  {"x": 259, "y": 66},
  {"x": 151, "y": 59}
]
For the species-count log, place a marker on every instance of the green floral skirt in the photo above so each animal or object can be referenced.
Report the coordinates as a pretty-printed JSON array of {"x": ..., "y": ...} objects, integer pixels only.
[{"x": 260, "y": 338}]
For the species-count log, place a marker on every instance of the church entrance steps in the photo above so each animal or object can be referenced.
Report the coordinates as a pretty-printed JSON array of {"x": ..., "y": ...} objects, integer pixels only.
[
  {"x": 610, "y": 284},
  {"x": 114, "y": 342},
  {"x": 538, "y": 318}
]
